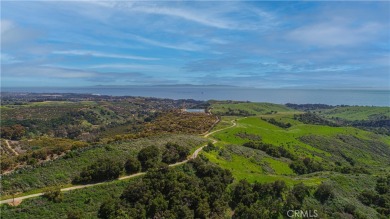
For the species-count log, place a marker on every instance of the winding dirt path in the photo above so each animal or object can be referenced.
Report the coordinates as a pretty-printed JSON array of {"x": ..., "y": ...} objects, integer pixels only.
[
  {"x": 192, "y": 156},
  {"x": 10, "y": 148}
]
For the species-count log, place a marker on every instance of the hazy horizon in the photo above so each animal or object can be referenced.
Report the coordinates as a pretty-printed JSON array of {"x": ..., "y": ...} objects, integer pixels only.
[{"x": 207, "y": 85}]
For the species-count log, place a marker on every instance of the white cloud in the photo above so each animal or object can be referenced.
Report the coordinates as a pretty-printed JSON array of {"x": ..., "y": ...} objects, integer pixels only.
[
  {"x": 100, "y": 54},
  {"x": 7, "y": 59},
  {"x": 198, "y": 17},
  {"x": 43, "y": 71},
  {"x": 178, "y": 46},
  {"x": 13, "y": 35},
  {"x": 334, "y": 34},
  {"x": 37, "y": 74},
  {"x": 136, "y": 67},
  {"x": 210, "y": 14},
  {"x": 6, "y": 25}
]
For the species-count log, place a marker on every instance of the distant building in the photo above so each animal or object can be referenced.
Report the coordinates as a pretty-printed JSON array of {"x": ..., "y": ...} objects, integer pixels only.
[{"x": 195, "y": 110}]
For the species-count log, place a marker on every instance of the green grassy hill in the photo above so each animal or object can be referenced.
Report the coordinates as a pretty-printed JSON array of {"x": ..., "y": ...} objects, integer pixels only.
[
  {"x": 350, "y": 158},
  {"x": 352, "y": 113},
  {"x": 235, "y": 108}
]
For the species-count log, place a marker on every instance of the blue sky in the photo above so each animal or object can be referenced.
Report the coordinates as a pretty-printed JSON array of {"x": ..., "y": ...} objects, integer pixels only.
[{"x": 256, "y": 44}]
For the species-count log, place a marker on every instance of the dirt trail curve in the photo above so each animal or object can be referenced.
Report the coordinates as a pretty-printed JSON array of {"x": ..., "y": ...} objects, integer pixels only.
[
  {"x": 193, "y": 156},
  {"x": 10, "y": 148}
]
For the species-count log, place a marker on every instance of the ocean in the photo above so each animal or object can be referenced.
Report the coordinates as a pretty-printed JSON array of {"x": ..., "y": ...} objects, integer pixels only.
[{"x": 281, "y": 96}]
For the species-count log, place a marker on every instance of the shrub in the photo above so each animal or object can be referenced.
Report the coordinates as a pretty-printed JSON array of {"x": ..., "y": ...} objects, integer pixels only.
[
  {"x": 378, "y": 199},
  {"x": 277, "y": 123},
  {"x": 383, "y": 185},
  {"x": 350, "y": 208},
  {"x": 210, "y": 147},
  {"x": 300, "y": 191},
  {"x": 270, "y": 149},
  {"x": 324, "y": 192},
  {"x": 110, "y": 209},
  {"x": 174, "y": 153},
  {"x": 149, "y": 157},
  {"x": 32, "y": 161},
  {"x": 132, "y": 165},
  {"x": 74, "y": 215},
  {"x": 368, "y": 197},
  {"x": 278, "y": 187},
  {"x": 53, "y": 194},
  {"x": 306, "y": 165},
  {"x": 6, "y": 164},
  {"x": 102, "y": 169},
  {"x": 299, "y": 167}
]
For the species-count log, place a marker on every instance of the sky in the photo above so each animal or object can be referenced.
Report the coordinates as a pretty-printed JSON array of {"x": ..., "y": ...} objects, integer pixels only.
[{"x": 268, "y": 44}]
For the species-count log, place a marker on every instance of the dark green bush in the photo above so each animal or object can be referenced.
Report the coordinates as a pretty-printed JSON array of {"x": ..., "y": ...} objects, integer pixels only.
[
  {"x": 132, "y": 165},
  {"x": 174, "y": 153},
  {"x": 102, "y": 169},
  {"x": 210, "y": 147},
  {"x": 168, "y": 193},
  {"x": 306, "y": 165},
  {"x": 324, "y": 192},
  {"x": 53, "y": 194},
  {"x": 149, "y": 157},
  {"x": 74, "y": 215}
]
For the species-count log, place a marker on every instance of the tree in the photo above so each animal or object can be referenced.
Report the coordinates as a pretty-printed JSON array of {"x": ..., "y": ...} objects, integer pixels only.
[
  {"x": 383, "y": 185},
  {"x": 137, "y": 192},
  {"x": 174, "y": 153},
  {"x": 279, "y": 186},
  {"x": 202, "y": 210},
  {"x": 300, "y": 191},
  {"x": 132, "y": 165},
  {"x": 240, "y": 191},
  {"x": 299, "y": 167},
  {"x": 324, "y": 192},
  {"x": 111, "y": 209},
  {"x": 157, "y": 206},
  {"x": 149, "y": 157},
  {"x": 102, "y": 169},
  {"x": 168, "y": 193}
]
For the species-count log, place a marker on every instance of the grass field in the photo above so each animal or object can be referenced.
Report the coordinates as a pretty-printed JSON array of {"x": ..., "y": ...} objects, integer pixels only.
[
  {"x": 222, "y": 107},
  {"x": 289, "y": 137},
  {"x": 352, "y": 113},
  {"x": 243, "y": 168}
]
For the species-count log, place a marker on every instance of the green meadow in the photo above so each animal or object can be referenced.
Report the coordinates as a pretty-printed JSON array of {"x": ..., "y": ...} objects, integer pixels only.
[
  {"x": 221, "y": 107},
  {"x": 355, "y": 112},
  {"x": 318, "y": 142}
]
